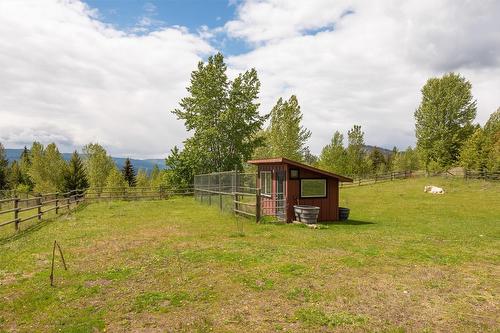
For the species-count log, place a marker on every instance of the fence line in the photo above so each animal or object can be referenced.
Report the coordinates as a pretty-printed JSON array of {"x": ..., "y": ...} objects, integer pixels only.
[
  {"x": 51, "y": 201},
  {"x": 45, "y": 203},
  {"x": 390, "y": 176}
]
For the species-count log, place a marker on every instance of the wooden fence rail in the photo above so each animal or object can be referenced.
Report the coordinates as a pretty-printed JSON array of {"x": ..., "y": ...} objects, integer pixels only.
[{"x": 44, "y": 203}]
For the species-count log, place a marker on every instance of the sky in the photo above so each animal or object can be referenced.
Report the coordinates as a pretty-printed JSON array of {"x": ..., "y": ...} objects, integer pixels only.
[{"x": 74, "y": 72}]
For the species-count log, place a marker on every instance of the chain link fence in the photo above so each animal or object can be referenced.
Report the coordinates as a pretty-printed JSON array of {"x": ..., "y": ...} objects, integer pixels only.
[{"x": 231, "y": 191}]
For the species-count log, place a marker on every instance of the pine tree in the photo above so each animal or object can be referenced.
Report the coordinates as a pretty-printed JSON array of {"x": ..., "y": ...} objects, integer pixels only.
[
  {"x": 129, "y": 173},
  {"x": 75, "y": 177},
  {"x": 4, "y": 163},
  {"x": 378, "y": 162}
]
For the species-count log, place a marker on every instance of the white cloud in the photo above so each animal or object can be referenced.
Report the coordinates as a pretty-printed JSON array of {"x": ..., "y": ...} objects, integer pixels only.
[
  {"x": 69, "y": 78},
  {"x": 370, "y": 68}
]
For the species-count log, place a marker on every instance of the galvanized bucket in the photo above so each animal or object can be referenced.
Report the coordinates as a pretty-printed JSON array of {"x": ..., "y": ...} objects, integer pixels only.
[{"x": 306, "y": 214}]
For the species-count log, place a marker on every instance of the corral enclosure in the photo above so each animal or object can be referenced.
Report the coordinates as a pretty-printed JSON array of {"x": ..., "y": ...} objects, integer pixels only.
[{"x": 406, "y": 261}]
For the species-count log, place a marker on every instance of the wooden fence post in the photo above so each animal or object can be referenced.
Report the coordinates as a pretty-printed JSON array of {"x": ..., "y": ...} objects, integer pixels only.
[
  {"x": 57, "y": 203},
  {"x": 235, "y": 204},
  {"x": 257, "y": 206},
  {"x": 16, "y": 213},
  {"x": 210, "y": 189},
  {"x": 39, "y": 204},
  {"x": 220, "y": 194}
]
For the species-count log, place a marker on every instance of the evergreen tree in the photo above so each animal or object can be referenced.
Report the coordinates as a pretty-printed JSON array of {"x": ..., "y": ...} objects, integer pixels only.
[
  {"x": 334, "y": 156},
  {"x": 378, "y": 162},
  {"x": 223, "y": 117},
  {"x": 129, "y": 173},
  {"x": 286, "y": 137},
  {"x": 444, "y": 119},
  {"x": 25, "y": 165},
  {"x": 75, "y": 177},
  {"x": 98, "y": 165},
  {"x": 4, "y": 163}
]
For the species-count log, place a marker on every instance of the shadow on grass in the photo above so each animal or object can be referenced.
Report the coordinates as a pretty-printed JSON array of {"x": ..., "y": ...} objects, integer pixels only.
[
  {"x": 348, "y": 222},
  {"x": 38, "y": 225}
]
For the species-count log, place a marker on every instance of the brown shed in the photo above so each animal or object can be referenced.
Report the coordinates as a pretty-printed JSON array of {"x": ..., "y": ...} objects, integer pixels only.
[{"x": 285, "y": 183}]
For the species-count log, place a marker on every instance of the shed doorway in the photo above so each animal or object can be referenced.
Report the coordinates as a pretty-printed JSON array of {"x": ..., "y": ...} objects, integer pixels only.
[{"x": 280, "y": 195}]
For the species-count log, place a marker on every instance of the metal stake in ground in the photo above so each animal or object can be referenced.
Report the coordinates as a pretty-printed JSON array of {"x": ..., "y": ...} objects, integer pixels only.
[{"x": 53, "y": 256}]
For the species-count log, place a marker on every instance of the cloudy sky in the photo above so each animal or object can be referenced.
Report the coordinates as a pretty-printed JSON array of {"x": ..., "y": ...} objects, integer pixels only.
[{"x": 73, "y": 72}]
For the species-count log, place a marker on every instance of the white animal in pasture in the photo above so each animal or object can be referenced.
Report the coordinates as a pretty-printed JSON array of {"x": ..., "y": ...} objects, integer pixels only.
[{"x": 433, "y": 189}]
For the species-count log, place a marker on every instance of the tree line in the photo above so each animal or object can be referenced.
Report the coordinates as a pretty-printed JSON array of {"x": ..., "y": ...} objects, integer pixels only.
[
  {"x": 226, "y": 129},
  {"x": 42, "y": 169}
]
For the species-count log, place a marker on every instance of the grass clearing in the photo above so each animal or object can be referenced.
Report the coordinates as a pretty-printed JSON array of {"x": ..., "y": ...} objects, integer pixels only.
[{"x": 406, "y": 261}]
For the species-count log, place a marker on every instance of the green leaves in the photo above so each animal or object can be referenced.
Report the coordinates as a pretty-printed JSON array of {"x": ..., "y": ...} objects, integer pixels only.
[
  {"x": 223, "y": 118},
  {"x": 97, "y": 164},
  {"x": 444, "y": 118},
  {"x": 285, "y": 136}
]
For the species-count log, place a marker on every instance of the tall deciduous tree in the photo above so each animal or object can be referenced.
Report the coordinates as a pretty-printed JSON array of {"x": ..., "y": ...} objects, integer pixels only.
[
  {"x": 482, "y": 150},
  {"x": 444, "y": 119},
  {"x": 75, "y": 177},
  {"x": 286, "y": 137},
  {"x": 47, "y": 168},
  {"x": 115, "y": 181},
  {"x": 356, "y": 156},
  {"x": 407, "y": 160},
  {"x": 98, "y": 165},
  {"x": 129, "y": 173},
  {"x": 4, "y": 163},
  {"x": 180, "y": 170},
  {"x": 334, "y": 156},
  {"x": 142, "y": 179},
  {"x": 223, "y": 117}
]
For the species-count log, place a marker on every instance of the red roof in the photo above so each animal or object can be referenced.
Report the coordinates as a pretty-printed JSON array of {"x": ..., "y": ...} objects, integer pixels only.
[{"x": 282, "y": 160}]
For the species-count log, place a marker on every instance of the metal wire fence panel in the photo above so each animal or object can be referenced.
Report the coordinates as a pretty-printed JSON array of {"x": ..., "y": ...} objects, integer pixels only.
[{"x": 231, "y": 191}]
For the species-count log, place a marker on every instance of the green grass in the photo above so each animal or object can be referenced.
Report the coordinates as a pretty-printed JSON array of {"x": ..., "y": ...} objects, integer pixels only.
[{"x": 405, "y": 261}]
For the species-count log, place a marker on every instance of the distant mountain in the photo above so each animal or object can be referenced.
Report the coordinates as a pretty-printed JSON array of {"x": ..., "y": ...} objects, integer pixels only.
[
  {"x": 369, "y": 149},
  {"x": 148, "y": 164}
]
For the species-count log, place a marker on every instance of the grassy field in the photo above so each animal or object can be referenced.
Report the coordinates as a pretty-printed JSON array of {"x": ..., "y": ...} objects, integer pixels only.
[{"x": 407, "y": 261}]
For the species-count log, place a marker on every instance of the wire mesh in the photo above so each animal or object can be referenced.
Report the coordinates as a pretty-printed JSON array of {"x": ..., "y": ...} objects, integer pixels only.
[{"x": 231, "y": 191}]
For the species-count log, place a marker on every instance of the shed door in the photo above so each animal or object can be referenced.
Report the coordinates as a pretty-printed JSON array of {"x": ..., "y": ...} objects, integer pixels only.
[{"x": 280, "y": 195}]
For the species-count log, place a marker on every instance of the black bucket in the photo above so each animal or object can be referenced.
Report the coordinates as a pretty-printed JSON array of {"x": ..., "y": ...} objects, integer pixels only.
[{"x": 343, "y": 213}]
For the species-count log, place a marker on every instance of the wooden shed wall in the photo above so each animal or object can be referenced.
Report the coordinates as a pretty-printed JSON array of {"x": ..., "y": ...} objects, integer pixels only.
[{"x": 329, "y": 206}]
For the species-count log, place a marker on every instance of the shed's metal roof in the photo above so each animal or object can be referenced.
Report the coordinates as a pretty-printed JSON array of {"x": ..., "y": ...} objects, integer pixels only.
[{"x": 282, "y": 160}]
